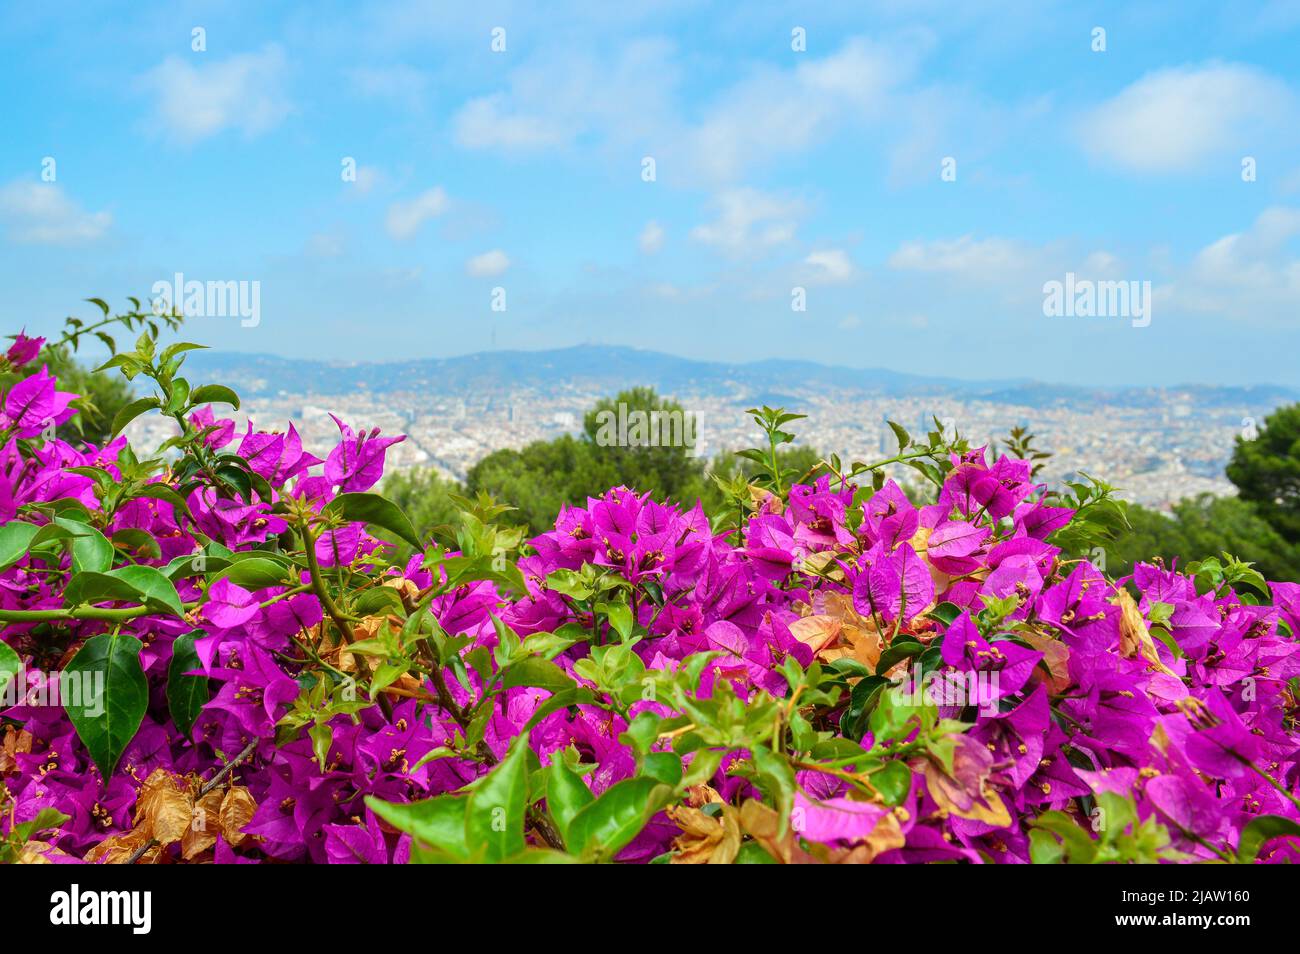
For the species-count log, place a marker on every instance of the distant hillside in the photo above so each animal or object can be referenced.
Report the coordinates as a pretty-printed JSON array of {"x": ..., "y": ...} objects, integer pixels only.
[{"x": 606, "y": 368}]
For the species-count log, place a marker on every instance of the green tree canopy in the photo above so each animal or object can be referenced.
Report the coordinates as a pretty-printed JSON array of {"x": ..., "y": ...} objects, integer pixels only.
[
  {"x": 1266, "y": 471},
  {"x": 425, "y": 495},
  {"x": 1201, "y": 527},
  {"x": 538, "y": 479},
  {"x": 636, "y": 438},
  {"x": 645, "y": 442}
]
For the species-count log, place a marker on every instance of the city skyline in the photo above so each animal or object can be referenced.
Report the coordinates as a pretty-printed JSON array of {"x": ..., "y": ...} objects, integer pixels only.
[{"x": 1158, "y": 446}]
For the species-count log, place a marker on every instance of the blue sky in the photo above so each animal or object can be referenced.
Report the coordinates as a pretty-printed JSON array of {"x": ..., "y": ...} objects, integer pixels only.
[{"x": 775, "y": 169}]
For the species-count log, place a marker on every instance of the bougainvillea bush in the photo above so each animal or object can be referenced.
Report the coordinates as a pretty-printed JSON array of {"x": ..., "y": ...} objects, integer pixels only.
[{"x": 208, "y": 655}]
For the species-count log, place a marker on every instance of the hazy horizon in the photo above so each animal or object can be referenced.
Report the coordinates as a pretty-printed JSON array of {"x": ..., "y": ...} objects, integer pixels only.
[{"x": 974, "y": 380}]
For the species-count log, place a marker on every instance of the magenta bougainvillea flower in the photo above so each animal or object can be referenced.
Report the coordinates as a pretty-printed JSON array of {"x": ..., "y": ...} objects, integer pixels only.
[{"x": 24, "y": 350}]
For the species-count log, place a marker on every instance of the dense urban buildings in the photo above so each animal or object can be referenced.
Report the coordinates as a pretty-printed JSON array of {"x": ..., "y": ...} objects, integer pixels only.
[{"x": 1158, "y": 446}]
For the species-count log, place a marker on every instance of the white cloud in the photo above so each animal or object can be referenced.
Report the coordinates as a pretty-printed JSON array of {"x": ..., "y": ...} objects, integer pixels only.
[
  {"x": 749, "y": 223},
  {"x": 325, "y": 245},
  {"x": 40, "y": 213},
  {"x": 398, "y": 85},
  {"x": 776, "y": 112},
  {"x": 487, "y": 122},
  {"x": 199, "y": 98},
  {"x": 1101, "y": 264},
  {"x": 628, "y": 100},
  {"x": 974, "y": 258},
  {"x": 405, "y": 218},
  {"x": 830, "y": 265},
  {"x": 1250, "y": 276},
  {"x": 367, "y": 178},
  {"x": 1010, "y": 271},
  {"x": 652, "y": 238},
  {"x": 1176, "y": 119},
  {"x": 488, "y": 265},
  {"x": 558, "y": 96}
]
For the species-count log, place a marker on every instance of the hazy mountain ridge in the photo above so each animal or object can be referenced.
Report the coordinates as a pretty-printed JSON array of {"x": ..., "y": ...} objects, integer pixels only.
[{"x": 609, "y": 368}]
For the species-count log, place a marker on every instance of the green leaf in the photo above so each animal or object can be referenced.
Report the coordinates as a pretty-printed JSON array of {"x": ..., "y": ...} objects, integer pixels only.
[
  {"x": 15, "y": 539},
  {"x": 214, "y": 394},
  {"x": 199, "y": 563},
  {"x": 620, "y": 617},
  {"x": 322, "y": 738},
  {"x": 1045, "y": 849},
  {"x": 893, "y": 782},
  {"x": 385, "y": 675},
  {"x": 752, "y": 853},
  {"x": 566, "y": 795},
  {"x": 90, "y": 548},
  {"x": 48, "y": 533},
  {"x": 11, "y": 664},
  {"x": 45, "y": 819},
  {"x": 179, "y": 347},
  {"x": 945, "y": 613},
  {"x": 131, "y": 411},
  {"x": 237, "y": 479},
  {"x": 159, "y": 491},
  {"x": 1075, "y": 846},
  {"x": 665, "y": 766},
  {"x": 862, "y": 703},
  {"x": 439, "y": 822},
  {"x": 105, "y": 694},
  {"x": 605, "y": 827},
  {"x": 900, "y": 432},
  {"x": 98, "y": 588},
  {"x": 137, "y": 542},
  {"x": 568, "y": 583},
  {"x": 897, "y": 714},
  {"x": 642, "y": 732},
  {"x": 494, "y": 820},
  {"x": 129, "y": 364},
  {"x": 179, "y": 397},
  {"x": 154, "y": 588},
  {"x": 379, "y": 600},
  {"x": 255, "y": 573},
  {"x": 186, "y": 695},
  {"x": 560, "y": 700},
  {"x": 1260, "y": 830},
  {"x": 776, "y": 778},
  {"x": 704, "y": 765},
  {"x": 376, "y": 510},
  {"x": 898, "y": 650},
  {"x": 539, "y": 672},
  {"x": 441, "y": 752}
]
